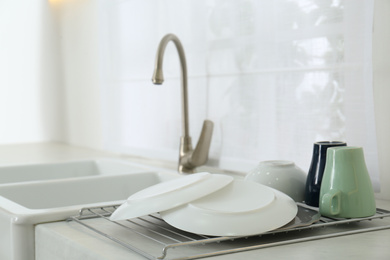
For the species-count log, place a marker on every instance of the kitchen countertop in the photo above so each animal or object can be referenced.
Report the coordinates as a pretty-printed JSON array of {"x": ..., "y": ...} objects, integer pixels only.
[{"x": 70, "y": 240}]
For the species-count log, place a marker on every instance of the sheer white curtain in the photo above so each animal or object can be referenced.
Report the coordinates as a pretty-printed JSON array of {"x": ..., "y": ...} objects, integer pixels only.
[{"x": 274, "y": 76}]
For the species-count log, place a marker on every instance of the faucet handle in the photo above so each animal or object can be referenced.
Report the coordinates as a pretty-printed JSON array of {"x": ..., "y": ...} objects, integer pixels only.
[{"x": 201, "y": 152}]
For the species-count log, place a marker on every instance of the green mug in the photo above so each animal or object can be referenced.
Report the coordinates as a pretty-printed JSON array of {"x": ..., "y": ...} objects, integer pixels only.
[{"x": 346, "y": 189}]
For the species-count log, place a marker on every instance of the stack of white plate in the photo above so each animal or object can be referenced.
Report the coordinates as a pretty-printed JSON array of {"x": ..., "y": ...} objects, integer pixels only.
[{"x": 212, "y": 204}]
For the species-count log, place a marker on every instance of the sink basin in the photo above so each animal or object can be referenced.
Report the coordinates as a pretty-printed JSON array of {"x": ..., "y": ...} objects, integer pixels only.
[
  {"x": 29, "y": 201},
  {"x": 74, "y": 169}
]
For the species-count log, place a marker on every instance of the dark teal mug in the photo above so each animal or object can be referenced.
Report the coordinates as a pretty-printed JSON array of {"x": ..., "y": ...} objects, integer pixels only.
[{"x": 316, "y": 171}]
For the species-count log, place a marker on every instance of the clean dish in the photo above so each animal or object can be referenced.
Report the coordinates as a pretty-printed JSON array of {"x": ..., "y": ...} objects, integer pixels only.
[
  {"x": 305, "y": 217},
  {"x": 281, "y": 175},
  {"x": 242, "y": 208},
  {"x": 170, "y": 194}
]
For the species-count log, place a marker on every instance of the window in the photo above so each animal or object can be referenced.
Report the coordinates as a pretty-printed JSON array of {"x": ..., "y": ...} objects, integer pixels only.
[{"x": 274, "y": 76}]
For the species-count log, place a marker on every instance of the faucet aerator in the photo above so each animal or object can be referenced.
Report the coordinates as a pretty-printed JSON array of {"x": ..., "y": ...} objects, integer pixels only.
[{"x": 157, "y": 81}]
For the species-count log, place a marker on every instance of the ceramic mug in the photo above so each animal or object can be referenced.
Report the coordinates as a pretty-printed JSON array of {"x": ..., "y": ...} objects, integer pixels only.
[
  {"x": 316, "y": 171},
  {"x": 346, "y": 189},
  {"x": 281, "y": 175}
]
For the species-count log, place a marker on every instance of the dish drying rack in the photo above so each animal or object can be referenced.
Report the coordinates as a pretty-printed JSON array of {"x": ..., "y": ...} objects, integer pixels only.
[{"x": 153, "y": 238}]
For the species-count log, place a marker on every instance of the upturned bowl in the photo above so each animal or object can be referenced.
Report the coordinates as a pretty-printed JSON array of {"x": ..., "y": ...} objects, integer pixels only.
[{"x": 281, "y": 175}]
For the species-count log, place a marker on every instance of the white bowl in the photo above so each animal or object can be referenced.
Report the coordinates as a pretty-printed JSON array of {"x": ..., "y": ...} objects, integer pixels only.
[
  {"x": 240, "y": 209},
  {"x": 283, "y": 176},
  {"x": 170, "y": 194}
]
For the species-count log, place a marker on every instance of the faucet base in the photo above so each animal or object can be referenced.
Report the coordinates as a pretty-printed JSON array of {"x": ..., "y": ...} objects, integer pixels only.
[
  {"x": 185, "y": 152},
  {"x": 185, "y": 170}
]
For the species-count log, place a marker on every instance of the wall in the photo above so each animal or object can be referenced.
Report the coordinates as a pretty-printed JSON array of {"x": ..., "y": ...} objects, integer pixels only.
[
  {"x": 49, "y": 83},
  {"x": 30, "y": 83},
  {"x": 381, "y": 64},
  {"x": 78, "y": 25},
  {"x": 85, "y": 127},
  {"x": 239, "y": 64}
]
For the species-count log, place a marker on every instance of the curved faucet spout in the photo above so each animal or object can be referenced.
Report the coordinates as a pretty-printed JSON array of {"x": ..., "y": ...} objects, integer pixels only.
[
  {"x": 158, "y": 76},
  {"x": 188, "y": 159}
]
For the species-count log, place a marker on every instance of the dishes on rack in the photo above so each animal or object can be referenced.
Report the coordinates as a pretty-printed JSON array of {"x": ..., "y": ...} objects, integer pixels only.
[
  {"x": 284, "y": 176},
  {"x": 305, "y": 217},
  {"x": 170, "y": 194},
  {"x": 212, "y": 204},
  {"x": 240, "y": 209}
]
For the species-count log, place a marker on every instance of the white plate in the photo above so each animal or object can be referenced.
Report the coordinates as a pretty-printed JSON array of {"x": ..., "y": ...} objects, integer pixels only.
[
  {"x": 170, "y": 194},
  {"x": 240, "y": 209}
]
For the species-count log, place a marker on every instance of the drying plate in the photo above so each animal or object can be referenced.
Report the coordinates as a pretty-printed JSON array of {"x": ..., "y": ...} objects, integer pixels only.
[
  {"x": 305, "y": 217},
  {"x": 170, "y": 194},
  {"x": 239, "y": 209}
]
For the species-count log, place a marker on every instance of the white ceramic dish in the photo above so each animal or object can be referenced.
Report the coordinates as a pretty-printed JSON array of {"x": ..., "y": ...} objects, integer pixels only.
[
  {"x": 240, "y": 209},
  {"x": 305, "y": 217},
  {"x": 283, "y": 176},
  {"x": 170, "y": 194}
]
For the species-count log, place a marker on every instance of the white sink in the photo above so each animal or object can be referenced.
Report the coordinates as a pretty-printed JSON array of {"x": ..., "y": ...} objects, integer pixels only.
[
  {"x": 74, "y": 169},
  {"x": 24, "y": 204}
]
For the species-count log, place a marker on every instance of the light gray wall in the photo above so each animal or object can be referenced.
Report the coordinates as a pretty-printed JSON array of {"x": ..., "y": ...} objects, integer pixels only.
[
  {"x": 30, "y": 102},
  {"x": 381, "y": 68}
]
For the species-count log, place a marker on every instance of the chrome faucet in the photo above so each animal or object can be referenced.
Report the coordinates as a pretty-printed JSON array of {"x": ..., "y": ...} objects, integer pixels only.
[{"x": 189, "y": 159}]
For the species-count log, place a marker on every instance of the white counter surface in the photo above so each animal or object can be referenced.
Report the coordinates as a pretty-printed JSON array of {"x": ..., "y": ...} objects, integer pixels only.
[{"x": 70, "y": 240}]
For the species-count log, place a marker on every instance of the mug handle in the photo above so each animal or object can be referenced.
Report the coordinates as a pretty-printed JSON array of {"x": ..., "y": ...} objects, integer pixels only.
[{"x": 330, "y": 203}]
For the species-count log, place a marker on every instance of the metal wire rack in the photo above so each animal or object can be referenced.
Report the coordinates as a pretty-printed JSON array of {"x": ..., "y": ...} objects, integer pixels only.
[{"x": 153, "y": 238}]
